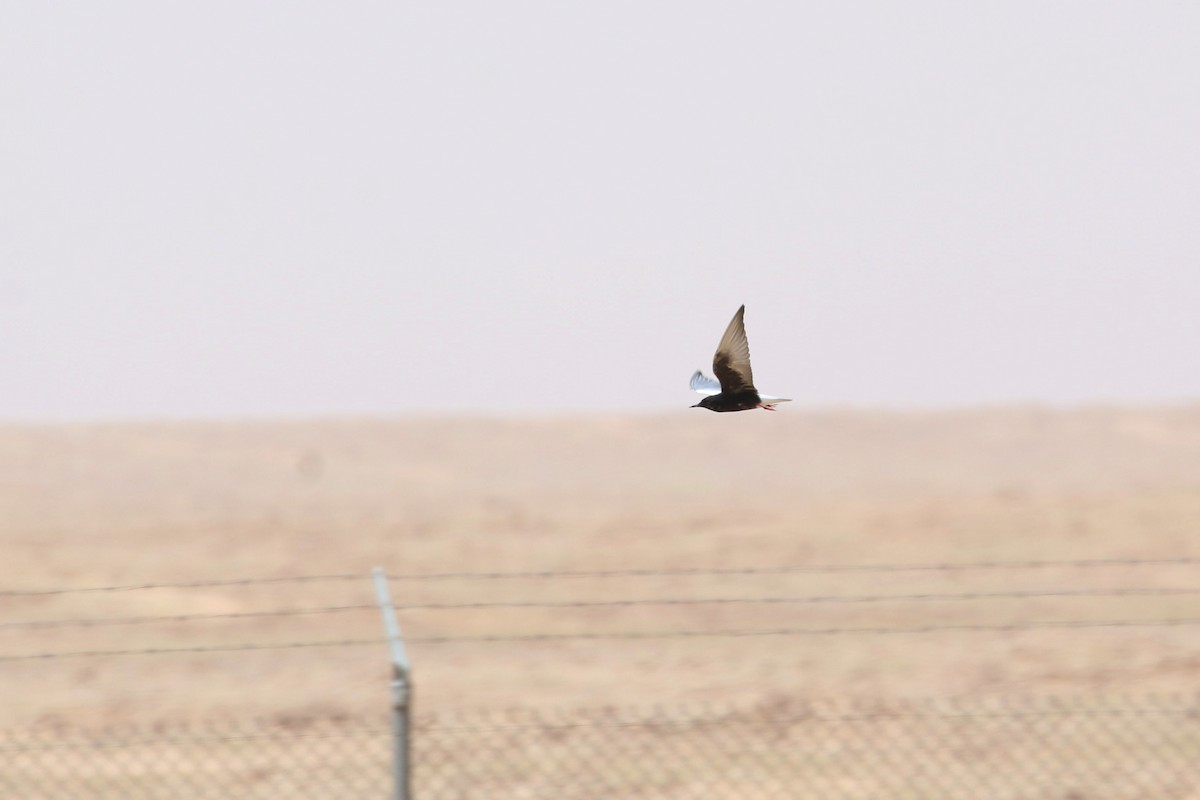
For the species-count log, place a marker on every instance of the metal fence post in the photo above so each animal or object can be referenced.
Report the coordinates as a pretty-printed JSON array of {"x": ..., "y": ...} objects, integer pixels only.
[{"x": 401, "y": 691}]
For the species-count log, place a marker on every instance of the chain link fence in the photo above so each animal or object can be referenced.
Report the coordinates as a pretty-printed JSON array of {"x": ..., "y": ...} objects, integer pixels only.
[{"x": 1082, "y": 749}]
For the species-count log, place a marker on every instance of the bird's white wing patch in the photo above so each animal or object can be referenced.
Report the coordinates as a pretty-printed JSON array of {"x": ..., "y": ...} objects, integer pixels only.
[{"x": 704, "y": 385}]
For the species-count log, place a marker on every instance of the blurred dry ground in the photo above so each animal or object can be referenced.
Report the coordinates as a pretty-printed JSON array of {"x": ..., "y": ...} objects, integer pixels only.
[{"x": 112, "y": 504}]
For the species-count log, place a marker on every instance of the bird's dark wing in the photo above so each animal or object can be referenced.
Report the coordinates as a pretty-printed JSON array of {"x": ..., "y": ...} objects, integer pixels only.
[{"x": 731, "y": 364}]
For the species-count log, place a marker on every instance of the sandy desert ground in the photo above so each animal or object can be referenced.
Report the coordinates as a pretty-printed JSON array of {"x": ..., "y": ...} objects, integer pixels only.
[{"x": 112, "y": 504}]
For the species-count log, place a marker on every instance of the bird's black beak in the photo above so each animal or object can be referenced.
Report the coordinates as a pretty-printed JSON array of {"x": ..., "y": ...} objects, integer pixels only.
[{"x": 696, "y": 406}]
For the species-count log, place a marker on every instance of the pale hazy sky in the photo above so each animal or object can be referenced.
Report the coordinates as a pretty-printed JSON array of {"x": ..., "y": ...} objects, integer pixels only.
[{"x": 250, "y": 208}]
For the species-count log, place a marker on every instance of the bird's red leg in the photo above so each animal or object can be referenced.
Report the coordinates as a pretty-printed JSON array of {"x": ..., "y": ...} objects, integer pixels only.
[{"x": 767, "y": 407}]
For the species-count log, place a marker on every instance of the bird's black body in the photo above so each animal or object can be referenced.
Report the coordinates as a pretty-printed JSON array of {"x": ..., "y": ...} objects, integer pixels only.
[
  {"x": 733, "y": 390},
  {"x": 738, "y": 401}
]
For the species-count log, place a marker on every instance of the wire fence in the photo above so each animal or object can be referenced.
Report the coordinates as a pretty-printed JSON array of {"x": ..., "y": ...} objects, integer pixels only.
[
  {"x": 1093, "y": 748},
  {"x": 1088, "y": 748}
]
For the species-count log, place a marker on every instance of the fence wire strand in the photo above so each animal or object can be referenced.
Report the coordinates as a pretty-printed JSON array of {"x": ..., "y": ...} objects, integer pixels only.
[
  {"x": 623, "y": 603},
  {"x": 1090, "y": 563},
  {"x": 616, "y": 635}
]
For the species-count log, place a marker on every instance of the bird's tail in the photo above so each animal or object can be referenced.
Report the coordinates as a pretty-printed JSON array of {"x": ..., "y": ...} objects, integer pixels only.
[{"x": 768, "y": 400}]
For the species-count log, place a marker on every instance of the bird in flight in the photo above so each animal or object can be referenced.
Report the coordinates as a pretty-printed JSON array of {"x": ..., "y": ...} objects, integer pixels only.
[{"x": 733, "y": 390}]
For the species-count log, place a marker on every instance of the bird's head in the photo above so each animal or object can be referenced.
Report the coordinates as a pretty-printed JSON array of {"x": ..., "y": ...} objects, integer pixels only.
[{"x": 706, "y": 402}]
